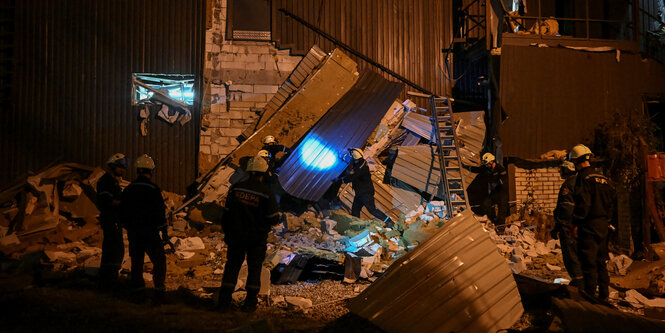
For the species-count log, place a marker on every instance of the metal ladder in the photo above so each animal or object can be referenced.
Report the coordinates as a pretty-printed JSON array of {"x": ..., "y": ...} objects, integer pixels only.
[{"x": 452, "y": 181}]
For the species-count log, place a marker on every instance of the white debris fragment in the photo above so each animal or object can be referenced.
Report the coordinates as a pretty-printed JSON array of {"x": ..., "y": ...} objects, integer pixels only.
[
  {"x": 189, "y": 244},
  {"x": 60, "y": 256},
  {"x": 563, "y": 281},
  {"x": 620, "y": 263},
  {"x": 299, "y": 302},
  {"x": 218, "y": 271},
  {"x": 185, "y": 255}
]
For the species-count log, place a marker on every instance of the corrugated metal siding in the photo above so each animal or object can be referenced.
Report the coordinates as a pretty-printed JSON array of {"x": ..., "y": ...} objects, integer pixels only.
[
  {"x": 418, "y": 166},
  {"x": 394, "y": 200},
  {"x": 347, "y": 124},
  {"x": 72, "y": 88},
  {"x": 419, "y": 124},
  {"x": 555, "y": 97},
  {"x": 455, "y": 281},
  {"x": 405, "y": 36}
]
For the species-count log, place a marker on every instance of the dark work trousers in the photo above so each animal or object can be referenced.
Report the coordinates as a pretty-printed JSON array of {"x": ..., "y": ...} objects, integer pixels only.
[
  {"x": 149, "y": 242},
  {"x": 500, "y": 198},
  {"x": 366, "y": 200},
  {"x": 569, "y": 254},
  {"x": 113, "y": 251},
  {"x": 235, "y": 256},
  {"x": 592, "y": 252}
]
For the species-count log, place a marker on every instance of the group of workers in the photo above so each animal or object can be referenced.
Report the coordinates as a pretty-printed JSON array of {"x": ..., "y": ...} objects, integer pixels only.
[
  {"x": 250, "y": 211},
  {"x": 585, "y": 212}
]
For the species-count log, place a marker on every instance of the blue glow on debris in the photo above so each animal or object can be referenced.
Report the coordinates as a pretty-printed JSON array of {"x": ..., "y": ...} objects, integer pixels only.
[{"x": 315, "y": 155}]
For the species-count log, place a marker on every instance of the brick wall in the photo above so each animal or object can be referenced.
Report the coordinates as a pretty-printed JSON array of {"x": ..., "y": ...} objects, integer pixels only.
[
  {"x": 239, "y": 79},
  {"x": 538, "y": 186}
]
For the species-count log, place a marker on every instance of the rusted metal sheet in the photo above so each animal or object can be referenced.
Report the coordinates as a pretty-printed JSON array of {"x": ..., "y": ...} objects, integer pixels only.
[
  {"x": 407, "y": 37},
  {"x": 393, "y": 199},
  {"x": 311, "y": 167},
  {"x": 71, "y": 100},
  {"x": 455, "y": 281},
  {"x": 546, "y": 110},
  {"x": 295, "y": 118}
]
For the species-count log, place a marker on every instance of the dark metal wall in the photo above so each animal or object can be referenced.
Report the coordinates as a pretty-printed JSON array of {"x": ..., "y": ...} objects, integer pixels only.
[
  {"x": 407, "y": 37},
  {"x": 554, "y": 97},
  {"x": 71, "y": 97}
]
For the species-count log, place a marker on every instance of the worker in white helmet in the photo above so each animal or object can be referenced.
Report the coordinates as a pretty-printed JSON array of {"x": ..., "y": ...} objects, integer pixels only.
[
  {"x": 497, "y": 179},
  {"x": 249, "y": 214},
  {"x": 145, "y": 215},
  {"x": 595, "y": 212},
  {"x": 563, "y": 223},
  {"x": 109, "y": 194},
  {"x": 361, "y": 181},
  {"x": 273, "y": 148}
]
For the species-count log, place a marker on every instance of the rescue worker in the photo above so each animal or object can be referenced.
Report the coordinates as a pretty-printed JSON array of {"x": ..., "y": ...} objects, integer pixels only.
[
  {"x": 563, "y": 224},
  {"x": 144, "y": 209},
  {"x": 271, "y": 145},
  {"x": 594, "y": 212},
  {"x": 249, "y": 213},
  {"x": 361, "y": 181},
  {"x": 110, "y": 218},
  {"x": 497, "y": 179}
]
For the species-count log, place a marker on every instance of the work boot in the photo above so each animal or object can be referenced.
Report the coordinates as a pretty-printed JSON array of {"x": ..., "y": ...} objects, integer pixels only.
[{"x": 251, "y": 302}]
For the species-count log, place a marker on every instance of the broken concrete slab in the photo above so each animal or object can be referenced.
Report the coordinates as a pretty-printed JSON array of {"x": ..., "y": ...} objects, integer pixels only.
[
  {"x": 299, "y": 302},
  {"x": 620, "y": 264},
  {"x": 54, "y": 256},
  {"x": 185, "y": 255}
]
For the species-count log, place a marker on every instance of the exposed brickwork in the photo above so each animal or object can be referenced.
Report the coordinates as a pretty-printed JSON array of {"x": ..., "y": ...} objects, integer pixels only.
[
  {"x": 239, "y": 78},
  {"x": 538, "y": 187}
]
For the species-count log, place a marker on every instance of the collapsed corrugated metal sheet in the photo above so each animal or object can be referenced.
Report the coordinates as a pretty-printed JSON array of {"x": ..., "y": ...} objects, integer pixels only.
[
  {"x": 470, "y": 134},
  {"x": 418, "y": 166},
  {"x": 419, "y": 124},
  {"x": 303, "y": 70},
  {"x": 309, "y": 104},
  {"x": 456, "y": 281},
  {"x": 581, "y": 316},
  {"x": 394, "y": 200},
  {"x": 311, "y": 166}
]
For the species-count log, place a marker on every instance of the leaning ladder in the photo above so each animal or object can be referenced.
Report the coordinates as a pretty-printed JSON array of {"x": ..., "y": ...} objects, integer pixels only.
[{"x": 450, "y": 163}]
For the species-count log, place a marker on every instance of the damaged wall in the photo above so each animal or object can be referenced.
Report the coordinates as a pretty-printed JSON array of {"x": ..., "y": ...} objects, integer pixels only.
[
  {"x": 554, "y": 97},
  {"x": 240, "y": 77},
  {"x": 72, "y": 84},
  {"x": 405, "y": 36},
  {"x": 537, "y": 186}
]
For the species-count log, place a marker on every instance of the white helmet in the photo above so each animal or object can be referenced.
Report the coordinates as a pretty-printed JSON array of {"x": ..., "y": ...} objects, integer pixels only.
[
  {"x": 257, "y": 164},
  {"x": 118, "y": 160},
  {"x": 356, "y": 153},
  {"x": 145, "y": 162},
  {"x": 263, "y": 153},
  {"x": 580, "y": 151},
  {"x": 269, "y": 139},
  {"x": 487, "y": 158}
]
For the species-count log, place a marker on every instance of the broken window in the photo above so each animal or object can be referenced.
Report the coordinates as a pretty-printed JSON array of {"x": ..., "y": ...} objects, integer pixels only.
[
  {"x": 171, "y": 94},
  {"x": 248, "y": 20}
]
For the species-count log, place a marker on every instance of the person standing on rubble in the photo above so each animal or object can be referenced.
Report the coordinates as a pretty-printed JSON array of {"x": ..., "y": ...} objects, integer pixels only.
[
  {"x": 563, "y": 224},
  {"x": 594, "y": 213},
  {"x": 497, "y": 180},
  {"x": 249, "y": 213},
  {"x": 361, "y": 181},
  {"x": 271, "y": 145},
  {"x": 108, "y": 203},
  {"x": 144, "y": 210}
]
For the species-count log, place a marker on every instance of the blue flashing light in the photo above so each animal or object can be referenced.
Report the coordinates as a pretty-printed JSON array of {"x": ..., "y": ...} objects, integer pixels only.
[{"x": 315, "y": 155}]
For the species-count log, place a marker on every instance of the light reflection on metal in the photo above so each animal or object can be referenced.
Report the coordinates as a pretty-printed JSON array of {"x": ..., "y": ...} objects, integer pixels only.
[{"x": 315, "y": 155}]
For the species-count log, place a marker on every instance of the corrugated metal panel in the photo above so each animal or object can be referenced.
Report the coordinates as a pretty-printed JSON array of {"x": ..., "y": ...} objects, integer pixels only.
[
  {"x": 394, "y": 200},
  {"x": 555, "y": 97},
  {"x": 581, "y": 316},
  {"x": 419, "y": 124},
  {"x": 470, "y": 133},
  {"x": 73, "y": 73},
  {"x": 456, "y": 281},
  {"x": 404, "y": 36},
  {"x": 303, "y": 70},
  {"x": 314, "y": 163},
  {"x": 418, "y": 166}
]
